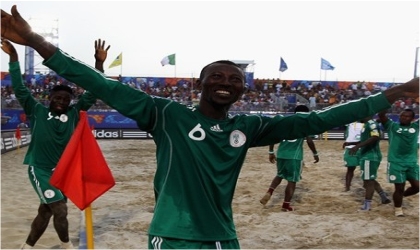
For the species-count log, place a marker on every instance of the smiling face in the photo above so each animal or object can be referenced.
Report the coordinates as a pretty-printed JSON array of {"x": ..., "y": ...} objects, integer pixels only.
[
  {"x": 222, "y": 84},
  {"x": 60, "y": 101}
]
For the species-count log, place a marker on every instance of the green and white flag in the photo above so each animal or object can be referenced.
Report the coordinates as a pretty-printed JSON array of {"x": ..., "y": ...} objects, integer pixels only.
[{"x": 168, "y": 60}]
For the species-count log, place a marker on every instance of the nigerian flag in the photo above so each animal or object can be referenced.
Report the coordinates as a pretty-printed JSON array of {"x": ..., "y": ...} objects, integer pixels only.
[{"x": 168, "y": 60}]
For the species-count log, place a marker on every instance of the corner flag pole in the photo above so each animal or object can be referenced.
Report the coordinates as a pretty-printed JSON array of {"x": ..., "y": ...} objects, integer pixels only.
[
  {"x": 121, "y": 65},
  {"x": 89, "y": 227}
]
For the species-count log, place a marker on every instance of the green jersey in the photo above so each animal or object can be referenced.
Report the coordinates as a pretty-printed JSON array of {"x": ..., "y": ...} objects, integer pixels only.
[
  {"x": 291, "y": 149},
  {"x": 50, "y": 133},
  {"x": 403, "y": 141},
  {"x": 371, "y": 152},
  {"x": 199, "y": 158}
]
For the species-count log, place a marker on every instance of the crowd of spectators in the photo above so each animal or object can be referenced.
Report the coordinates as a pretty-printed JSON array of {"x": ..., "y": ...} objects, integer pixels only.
[{"x": 274, "y": 96}]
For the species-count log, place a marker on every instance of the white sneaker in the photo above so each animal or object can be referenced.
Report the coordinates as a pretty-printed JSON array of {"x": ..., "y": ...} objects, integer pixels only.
[
  {"x": 25, "y": 246},
  {"x": 398, "y": 212},
  {"x": 67, "y": 245}
]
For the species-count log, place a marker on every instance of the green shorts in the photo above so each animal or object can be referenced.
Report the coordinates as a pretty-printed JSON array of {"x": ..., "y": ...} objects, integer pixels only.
[
  {"x": 351, "y": 160},
  {"x": 40, "y": 180},
  {"x": 400, "y": 172},
  {"x": 289, "y": 170},
  {"x": 156, "y": 242},
  {"x": 369, "y": 169}
]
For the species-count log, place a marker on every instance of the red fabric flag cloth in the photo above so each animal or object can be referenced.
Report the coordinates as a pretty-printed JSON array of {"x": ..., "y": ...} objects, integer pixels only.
[
  {"x": 82, "y": 173},
  {"x": 17, "y": 133}
]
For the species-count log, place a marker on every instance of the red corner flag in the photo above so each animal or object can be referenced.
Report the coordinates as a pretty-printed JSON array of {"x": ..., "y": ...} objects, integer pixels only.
[
  {"x": 17, "y": 133},
  {"x": 82, "y": 173}
]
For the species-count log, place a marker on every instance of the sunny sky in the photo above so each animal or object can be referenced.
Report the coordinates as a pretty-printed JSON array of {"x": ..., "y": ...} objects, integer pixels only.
[{"x": 363, "y": 40}]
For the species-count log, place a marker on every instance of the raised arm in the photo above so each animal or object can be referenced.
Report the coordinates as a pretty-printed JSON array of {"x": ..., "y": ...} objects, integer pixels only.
[
  {"x": 88, "y": 99},
  {"x": 9, "y": 49},
  {"x": 23, "y": 94},
  {"x": 17, "y": 30},
  {"x": 100, "y": 54},
  {"x": 130, "y": 102}
]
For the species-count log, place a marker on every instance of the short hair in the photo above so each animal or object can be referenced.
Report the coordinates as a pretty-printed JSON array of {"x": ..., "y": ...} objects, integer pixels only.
[
  {"x": 61, "y": 88},
  {"x": 411, "y": 111},
  {"x": 301, "y": 108},
  {"x": 227, "y": 62}
]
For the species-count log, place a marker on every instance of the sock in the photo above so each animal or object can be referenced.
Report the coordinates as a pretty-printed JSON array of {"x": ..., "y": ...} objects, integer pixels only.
[
  {"x": 270, "y": 190},
  {"x": 384, "y": 198},
  {"x": 286, "y": 204},
  {"x": 366, "y": 204},
  {"x": 383, "y": 195}
]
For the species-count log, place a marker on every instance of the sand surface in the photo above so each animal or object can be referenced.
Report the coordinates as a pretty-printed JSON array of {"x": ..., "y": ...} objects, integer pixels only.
[{"x": 325, "y": 216}]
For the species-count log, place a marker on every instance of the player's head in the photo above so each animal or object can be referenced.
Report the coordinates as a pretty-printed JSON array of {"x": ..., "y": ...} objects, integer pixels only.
[
  {"x": 301, "y": 108},
  {"x": 226, "y": 62},
  {"x": 406, "y": 117},
  {"x": 57, "y": 88},
  {"x": 60, "y": 98},
  {"x": 222, "y": 83}
]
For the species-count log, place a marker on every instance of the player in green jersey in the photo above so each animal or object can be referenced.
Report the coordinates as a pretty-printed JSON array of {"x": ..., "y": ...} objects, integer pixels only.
[
  {"x": 200, "y": 150},
  {"x": 370, "y": 159},
  {"x": 402, "y": 155},
  {"x": 289, "y": 165},
  {"x": 51, "y": 129}
]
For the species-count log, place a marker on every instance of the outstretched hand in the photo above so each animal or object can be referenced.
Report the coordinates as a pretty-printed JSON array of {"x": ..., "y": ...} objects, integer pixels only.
[
  {"x": 7, "y": 47},
  {"x": 411, "y": 88},
  {"x": 408, "y": 89},
  {"x": 14, "y": 28},
  {"x": 100, "y": 52}
]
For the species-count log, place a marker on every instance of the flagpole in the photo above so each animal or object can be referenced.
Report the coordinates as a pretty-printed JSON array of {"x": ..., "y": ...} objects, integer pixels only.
[
  {"x": 89, "y": 227},
  {"x": 121, "y": 65}
]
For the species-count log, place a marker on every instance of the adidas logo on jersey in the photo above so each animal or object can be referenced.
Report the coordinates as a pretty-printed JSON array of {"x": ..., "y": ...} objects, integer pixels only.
[{"x": 216, "y": 128}]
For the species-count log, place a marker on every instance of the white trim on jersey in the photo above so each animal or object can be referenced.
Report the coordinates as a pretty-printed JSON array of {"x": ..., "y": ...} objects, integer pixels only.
[{"x": 157, "y": 242}]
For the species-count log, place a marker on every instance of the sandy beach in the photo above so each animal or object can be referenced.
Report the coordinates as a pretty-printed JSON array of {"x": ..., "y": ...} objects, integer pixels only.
[{"x": 325, "y": 216}]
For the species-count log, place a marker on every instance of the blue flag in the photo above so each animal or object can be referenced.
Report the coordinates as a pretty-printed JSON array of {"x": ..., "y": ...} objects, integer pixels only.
[
  {"x": 283, "y": 65},
  {"x": 325, "y": 65}
]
